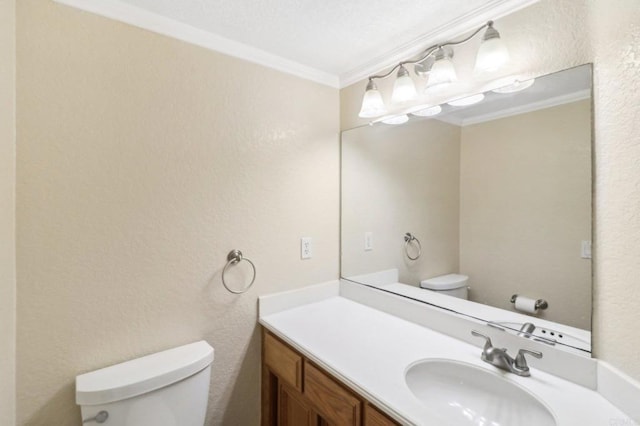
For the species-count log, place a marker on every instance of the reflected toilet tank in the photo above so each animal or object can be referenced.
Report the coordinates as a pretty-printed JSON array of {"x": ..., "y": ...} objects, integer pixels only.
[
  {"x": 169, "y": 388},
  {"x": 451, "y": 284}
]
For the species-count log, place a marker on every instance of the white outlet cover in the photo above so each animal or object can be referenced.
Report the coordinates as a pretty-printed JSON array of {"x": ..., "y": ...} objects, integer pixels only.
[{"x": 306, "y": 248}]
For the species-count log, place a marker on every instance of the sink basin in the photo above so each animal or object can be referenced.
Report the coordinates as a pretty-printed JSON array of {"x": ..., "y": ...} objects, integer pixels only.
[{"x": 469, "y": 395}]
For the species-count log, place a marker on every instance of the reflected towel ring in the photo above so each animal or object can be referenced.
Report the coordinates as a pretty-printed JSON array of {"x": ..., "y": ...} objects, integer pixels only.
[
  {"x": 233, "y": 258},
  {"x": 408, "y": 238}
]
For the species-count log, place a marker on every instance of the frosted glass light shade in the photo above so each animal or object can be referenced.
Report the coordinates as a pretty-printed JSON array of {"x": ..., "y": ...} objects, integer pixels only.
[
  {"x": 404, "y": 89},
  {"x": 492, "y": 55},
  {"x": 372, "y": 103},
  {"x": 442, "y": 74}
]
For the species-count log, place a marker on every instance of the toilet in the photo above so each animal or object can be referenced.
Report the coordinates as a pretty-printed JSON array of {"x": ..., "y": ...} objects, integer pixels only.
[
  {"x": 452, "y": 285},
  {"x": 169, "y": 388}
]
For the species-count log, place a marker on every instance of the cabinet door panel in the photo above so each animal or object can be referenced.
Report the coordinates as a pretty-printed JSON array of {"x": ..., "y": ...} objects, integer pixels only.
[
  {"x": 334, "y": 403},
  {"x": 293, "y": 410},
  {"x": 283, "y": 361},
  {"x": 373, "y": 417}
]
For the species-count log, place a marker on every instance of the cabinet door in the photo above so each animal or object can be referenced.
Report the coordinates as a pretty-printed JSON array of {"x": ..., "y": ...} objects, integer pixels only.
[
  {"x": 373, "y": 417},
  {"x": 283, "y": 361},
  {"x": 335, "y": 404},
  {"x": 293, "y": 410}
]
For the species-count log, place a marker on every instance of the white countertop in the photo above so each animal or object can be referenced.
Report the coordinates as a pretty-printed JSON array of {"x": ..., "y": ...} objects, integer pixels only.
[{"x": 370, "y": 350}]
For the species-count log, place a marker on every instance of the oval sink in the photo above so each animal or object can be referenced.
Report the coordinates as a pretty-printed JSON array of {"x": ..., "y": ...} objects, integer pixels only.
[{"x": 469, "y": 395}]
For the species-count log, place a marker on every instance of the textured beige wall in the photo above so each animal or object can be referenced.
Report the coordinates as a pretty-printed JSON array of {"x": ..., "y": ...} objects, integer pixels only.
[
  {"x": 616, "y": 50},
  {"x": 7, "y": 213},
  {"x": 525, "y": 207},
  {"x": 556, "y": 34},
  {"x": 401, "y": 179},
  {"x": 141, "y": 162}
]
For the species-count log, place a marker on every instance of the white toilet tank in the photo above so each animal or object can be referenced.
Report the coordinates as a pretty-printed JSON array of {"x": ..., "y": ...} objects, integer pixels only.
[
  {"x": 169, "y": 388},
  {"x": 452, "y": 285}
]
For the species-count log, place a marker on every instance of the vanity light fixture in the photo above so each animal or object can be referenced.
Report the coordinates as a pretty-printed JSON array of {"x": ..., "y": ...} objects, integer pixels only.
[
  {"x": 492, "y": 53},
  {"x": 468, "y": 100},
  {"x": 434, "y": 64},
  {"x": 442, "y": 73},
  {"x": 404, "y": 89},
  {"x": 372, "y": 103}
]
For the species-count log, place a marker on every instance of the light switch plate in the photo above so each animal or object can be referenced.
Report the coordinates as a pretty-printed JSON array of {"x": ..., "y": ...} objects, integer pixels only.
[
  {"x": 368, "y": 241},
  {"x": 306, "y": 248},
  {"x": 585, "y": 250}
]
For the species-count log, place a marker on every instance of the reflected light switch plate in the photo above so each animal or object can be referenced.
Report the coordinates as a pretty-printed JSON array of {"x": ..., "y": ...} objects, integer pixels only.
[
  {"x": 368, "y": 241},
  {"x": 585, "y": 250}
]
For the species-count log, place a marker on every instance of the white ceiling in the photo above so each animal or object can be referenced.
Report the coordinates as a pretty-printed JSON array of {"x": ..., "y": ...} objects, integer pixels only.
[{"x": 339, "y": 41}]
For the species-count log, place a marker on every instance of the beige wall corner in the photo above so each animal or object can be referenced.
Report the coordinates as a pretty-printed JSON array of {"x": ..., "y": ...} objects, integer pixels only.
[
  {"x": 615, "y": 31},
  {"x": 142, "y": 161},
  {"x": 350, "y": 103},
  {"x": 7, "y": 212}
]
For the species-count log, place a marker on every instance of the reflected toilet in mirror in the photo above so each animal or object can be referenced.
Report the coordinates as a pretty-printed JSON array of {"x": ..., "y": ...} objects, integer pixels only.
[{"x": 454, "y": 285}]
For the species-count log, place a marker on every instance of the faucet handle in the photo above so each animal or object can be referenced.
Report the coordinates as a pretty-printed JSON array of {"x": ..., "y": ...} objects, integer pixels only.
[
  {"x": 487, "y": 343},
  {"x": 521, "y": 362}
]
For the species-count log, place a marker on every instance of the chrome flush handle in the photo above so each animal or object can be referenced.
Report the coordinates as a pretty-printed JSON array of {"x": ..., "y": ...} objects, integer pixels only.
[{"x": 101, "y": 417}]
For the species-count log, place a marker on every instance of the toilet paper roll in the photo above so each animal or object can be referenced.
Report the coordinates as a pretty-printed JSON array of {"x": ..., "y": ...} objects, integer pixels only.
[{"x": 524, "y": 304}]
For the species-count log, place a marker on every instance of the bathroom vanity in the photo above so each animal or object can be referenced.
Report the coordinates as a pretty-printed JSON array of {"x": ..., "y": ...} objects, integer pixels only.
[
  {"x": 340, "y": 353},
  {"x": 296, "y": 392}
]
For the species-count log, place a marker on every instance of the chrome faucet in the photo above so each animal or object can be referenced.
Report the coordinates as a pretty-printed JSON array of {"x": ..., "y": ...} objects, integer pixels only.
[
  {"x": 526, "y": 330},
  {"x": 501, "y": 359}
]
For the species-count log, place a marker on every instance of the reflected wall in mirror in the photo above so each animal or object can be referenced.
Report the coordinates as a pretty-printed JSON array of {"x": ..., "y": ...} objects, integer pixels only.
[{"x": 499, "y": 191}]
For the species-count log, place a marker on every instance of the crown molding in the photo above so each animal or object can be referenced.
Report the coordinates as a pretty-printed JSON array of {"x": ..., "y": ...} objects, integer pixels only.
[
  {"x": 138, "y": 17},
  {"x": 492, "y": 10},
  {"x": 142, "y": 18}
]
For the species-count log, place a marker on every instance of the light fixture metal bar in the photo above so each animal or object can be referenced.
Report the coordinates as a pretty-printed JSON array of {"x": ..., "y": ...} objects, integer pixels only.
[{"x": 429, "y": 51}]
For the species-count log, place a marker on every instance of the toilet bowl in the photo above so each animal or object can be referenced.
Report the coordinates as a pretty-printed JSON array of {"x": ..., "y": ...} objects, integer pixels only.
[
  {"x": 452, "y": 285},
  {"x": 168, "y": 388}
]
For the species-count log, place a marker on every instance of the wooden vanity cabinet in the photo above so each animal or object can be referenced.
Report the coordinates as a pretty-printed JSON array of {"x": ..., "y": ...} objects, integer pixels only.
[
  {"x": 293, "y": 408},
  {"x": 334, "y": 403},
  {"x": 295, "y": 392},
  {"x": 374, "y": 417}
]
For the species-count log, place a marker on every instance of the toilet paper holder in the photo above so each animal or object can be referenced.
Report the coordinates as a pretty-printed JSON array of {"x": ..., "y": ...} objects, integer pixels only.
[{"x": 540, "y": 303}]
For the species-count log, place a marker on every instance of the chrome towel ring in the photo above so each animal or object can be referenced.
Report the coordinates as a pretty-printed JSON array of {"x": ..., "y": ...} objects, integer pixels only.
[
  {"x": 408, "y": 239},
  {"x": 233, "y": 258}
]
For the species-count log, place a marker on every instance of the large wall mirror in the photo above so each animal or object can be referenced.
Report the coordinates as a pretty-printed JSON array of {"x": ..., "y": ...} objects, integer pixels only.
[{"x": 499, "y": 191}]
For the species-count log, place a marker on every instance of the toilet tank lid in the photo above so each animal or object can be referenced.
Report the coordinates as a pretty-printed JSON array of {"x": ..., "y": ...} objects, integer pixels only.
[
  {"x": 142, "y": 375},
  {"x": 445, "y": 282}
]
